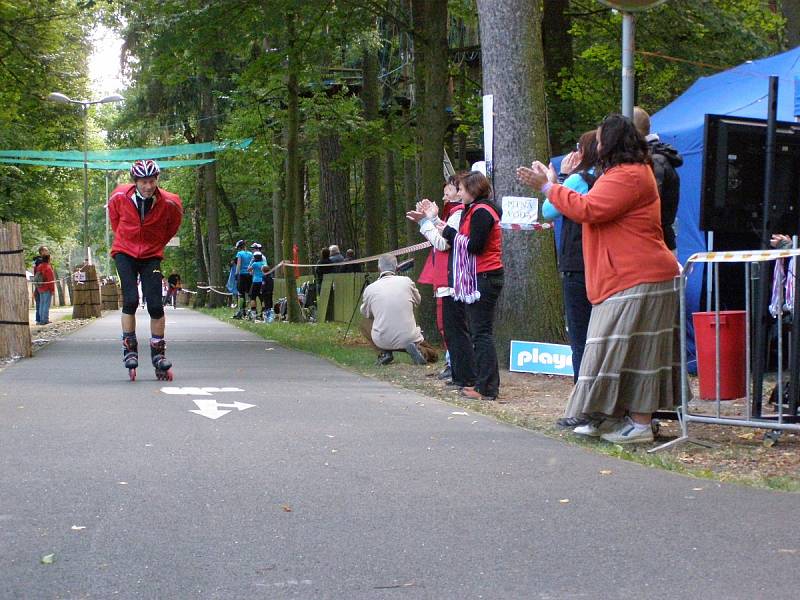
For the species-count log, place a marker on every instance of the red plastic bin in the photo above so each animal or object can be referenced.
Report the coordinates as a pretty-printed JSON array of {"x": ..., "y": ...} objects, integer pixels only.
[{"x": 732, "y": 330}]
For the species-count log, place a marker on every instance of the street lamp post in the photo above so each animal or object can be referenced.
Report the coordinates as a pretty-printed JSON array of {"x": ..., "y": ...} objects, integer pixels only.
[
  {"x": 84, "y": 104},
  {"x": 628, "y": 8}
]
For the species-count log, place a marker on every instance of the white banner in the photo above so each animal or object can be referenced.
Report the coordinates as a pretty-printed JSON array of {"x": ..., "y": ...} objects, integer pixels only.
[{"x": 488, "y": 132}]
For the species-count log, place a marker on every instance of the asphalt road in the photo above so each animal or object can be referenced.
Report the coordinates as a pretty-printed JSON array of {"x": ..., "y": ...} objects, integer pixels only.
[{"x": 337, "y": 486}]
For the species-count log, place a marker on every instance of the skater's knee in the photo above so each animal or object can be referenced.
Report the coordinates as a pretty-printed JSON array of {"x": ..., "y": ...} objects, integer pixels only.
[
  {"x": 129, "y": 306},
  {"x": 155, "y": 312}
]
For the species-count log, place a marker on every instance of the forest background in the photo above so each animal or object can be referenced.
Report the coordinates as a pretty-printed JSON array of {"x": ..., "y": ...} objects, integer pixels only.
[{"x": 349, "y": 104}]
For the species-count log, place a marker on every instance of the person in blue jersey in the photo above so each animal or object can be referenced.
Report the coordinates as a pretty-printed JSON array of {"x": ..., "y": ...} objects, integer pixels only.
[
  {"x": 244, "y": 280},
  {"x": 255, "y": 289},
  {"x": 577, "y": 173}
]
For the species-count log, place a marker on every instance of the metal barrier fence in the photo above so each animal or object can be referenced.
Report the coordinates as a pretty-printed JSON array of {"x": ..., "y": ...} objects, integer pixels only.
[{"x": 760, "y": 261}]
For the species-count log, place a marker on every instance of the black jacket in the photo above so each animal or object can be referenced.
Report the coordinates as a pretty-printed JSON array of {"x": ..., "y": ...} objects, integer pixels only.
[
  {"x": 570, "y": 248},
  {"x": 665, "y": 160}
]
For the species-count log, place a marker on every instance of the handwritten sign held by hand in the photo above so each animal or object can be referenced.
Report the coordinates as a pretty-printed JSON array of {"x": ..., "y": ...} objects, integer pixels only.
[{"x": 518, "y": 210}]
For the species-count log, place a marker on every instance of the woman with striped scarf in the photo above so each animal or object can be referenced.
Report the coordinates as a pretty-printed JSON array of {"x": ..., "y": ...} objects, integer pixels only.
[{"x": 476, "y": 276}]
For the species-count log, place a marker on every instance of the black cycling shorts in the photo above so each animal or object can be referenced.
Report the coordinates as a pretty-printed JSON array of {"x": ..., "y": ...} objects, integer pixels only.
[
  {"x": 149, "y": 270},
  {"x": 245, "y": 283}
]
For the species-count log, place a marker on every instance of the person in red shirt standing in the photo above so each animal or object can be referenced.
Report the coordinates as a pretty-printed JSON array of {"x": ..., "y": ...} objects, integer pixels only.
[
  {"x": 144, "y": 218},
  {"x": 45, "y": 289}
]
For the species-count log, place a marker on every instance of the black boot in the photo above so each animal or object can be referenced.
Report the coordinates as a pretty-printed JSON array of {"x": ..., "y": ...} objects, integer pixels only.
[
  {"x": 159, "y": 359},
  {"x": 130, "y": 351}
]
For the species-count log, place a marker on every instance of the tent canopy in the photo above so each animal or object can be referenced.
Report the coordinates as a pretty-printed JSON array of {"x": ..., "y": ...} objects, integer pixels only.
[{"x": 741, "y": 91}]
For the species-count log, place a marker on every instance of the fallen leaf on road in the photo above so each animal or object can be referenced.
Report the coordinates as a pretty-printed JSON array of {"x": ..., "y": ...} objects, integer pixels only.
[
  {"x": 286, "y": 508},
  {"x": 122, "y": 482},
  {"x": 460, "y": 412},
  {"x": 697, "y": 489},
  {"x": 606, "y": 472},
  {"x": 564, "y": 501},
  {"x": 334, "y": 451},
  {"x": 48, "y": 559},
  {"x": 78, "y": 527},
  {"x": 788, "y": 550},
  {"x": 396, "y": 586}
]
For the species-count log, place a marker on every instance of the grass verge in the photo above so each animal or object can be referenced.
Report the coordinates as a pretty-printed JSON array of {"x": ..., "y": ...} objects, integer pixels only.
[{"x": 345, "y": 348}]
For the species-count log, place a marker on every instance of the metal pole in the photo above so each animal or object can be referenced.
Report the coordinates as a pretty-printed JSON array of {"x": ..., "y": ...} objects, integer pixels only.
[
  {"x": 709, "y": 278},
  {"x": 108, "y": 235},
  {"x": 628, "y": 71},
  {"x": 761, "y": 301},
  {"x": 86, "y": 255}
]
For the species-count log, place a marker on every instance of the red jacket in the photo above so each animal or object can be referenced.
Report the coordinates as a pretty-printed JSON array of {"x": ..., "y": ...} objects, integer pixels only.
[
  {"x": 145, "y": 239},
  {"x": 623, "y": 243},
  {"x": 49, "y": 276},
  {"x": 491, "y": 258},
  {"x": 435, "y": 269}
]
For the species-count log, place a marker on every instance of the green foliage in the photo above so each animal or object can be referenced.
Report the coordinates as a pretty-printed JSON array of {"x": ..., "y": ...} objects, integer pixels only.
[
  {"x": 43, "y": 48},
  {"x": 704, "y": 35}
]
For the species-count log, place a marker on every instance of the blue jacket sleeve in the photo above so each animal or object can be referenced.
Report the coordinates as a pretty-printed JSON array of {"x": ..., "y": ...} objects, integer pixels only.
[
  {"x": 573, "y": 182},
  {"x": 549, "y": 212}
]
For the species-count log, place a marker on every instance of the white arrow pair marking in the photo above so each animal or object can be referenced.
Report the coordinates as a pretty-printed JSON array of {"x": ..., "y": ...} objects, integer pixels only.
[
  {"x": 198, "y": 391},
  {"x": 211, "y": 408}
]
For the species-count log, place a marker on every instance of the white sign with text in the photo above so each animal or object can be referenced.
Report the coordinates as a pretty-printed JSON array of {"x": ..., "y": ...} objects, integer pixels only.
[{"x": 518, "y": 210}]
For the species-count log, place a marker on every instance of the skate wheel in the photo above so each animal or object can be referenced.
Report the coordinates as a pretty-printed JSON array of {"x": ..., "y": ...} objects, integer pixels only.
[
  {"x": 164, "y": 375},
  {"x": 132, "y": 374}
]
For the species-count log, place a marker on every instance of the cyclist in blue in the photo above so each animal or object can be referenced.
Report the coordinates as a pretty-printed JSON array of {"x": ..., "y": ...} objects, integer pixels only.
[
  {"x": 255, "y": 289},
  {"x": 244, "y": 280}
]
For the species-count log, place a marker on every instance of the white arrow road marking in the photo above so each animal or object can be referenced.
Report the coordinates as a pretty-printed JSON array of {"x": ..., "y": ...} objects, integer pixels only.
[
  {"x": 211, "y": 408},
  {"x": 198, "y": 391}
]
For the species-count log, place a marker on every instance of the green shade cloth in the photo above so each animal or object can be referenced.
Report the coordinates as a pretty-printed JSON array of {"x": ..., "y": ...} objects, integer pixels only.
[
  {"x": 103, "y": 166},
  {"x": 127, "y": 154}
]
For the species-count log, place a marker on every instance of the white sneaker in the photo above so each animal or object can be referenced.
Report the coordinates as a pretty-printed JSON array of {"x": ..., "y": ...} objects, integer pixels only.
[
  {"x": 629, "y": 433},
  {"x": 597, "y": 427}
]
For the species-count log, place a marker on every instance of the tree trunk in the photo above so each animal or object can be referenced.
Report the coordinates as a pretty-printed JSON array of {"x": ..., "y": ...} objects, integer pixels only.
[
  {"x": 292, "y": 165},
  {"x": 334, "y": 188},
  {"x": 197, "y": 224},
  {"x": 207, "y": 129},
  {"x": 791, "y": 12},
  {"x": 530, "y": 307},
  {"x": 556, "y": 40},
  {"x": 558, "y": 54},
  {"x": 430, "y": 75},
  {"x": 300, "y": 224},
  {"x": 373, "y": 222},
  {"x": 430, "y": 102},
  {"x": 230, "y": 208},
  {"x": 391, "y": 200},
  {"x": 277, "y": 222},
  {"x": 410, "y": 198}
]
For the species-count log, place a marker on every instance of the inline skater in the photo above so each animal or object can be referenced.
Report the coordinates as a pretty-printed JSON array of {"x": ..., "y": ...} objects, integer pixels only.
[
  {"x": 144, "y": 218},
  {"x": 244, "y": 280},
  {"x": 255, "y": 290}
]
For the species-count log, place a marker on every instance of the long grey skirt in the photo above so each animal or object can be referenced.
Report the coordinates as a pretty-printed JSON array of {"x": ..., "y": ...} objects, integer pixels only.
[{"x": 631, "y": 361}]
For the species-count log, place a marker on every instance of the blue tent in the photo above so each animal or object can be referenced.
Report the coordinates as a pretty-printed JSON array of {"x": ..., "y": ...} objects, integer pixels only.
[{"x": 741, "y": 91}]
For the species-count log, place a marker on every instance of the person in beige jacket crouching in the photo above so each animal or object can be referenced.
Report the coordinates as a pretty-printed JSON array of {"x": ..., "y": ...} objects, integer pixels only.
[{"x": 388, "y": 311}]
